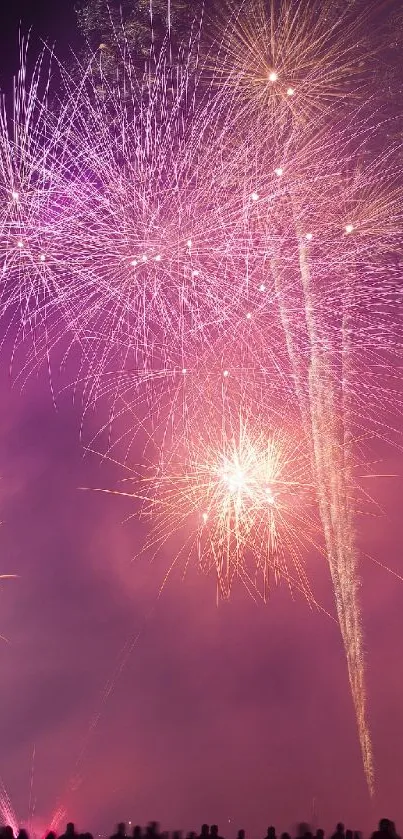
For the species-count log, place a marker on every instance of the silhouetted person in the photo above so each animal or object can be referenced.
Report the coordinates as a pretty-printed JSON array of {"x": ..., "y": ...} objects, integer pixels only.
[
  {"x": 22, "y": 834},
  {"x": 339, "y": 831},
  {"x": 320, "y": 834},
  {"x": 271, "y": 833},
  {"x": 51, "y": 835},
  {"x": 285, "y": 836},
  {"x": 205, "y": 832},
  {"x": 177, "y": 834},
  {"x": 385, "y": 830},
  {"x": 70, "y": 832},
  {"x": 349, "y": 834},
  {"x": 214, "y": 832},
  {"x": 7, "y": 832},
  {"x": 137, "y": 832},
  {"x": 120, "y": 831},
  {"x": 241, "y": 834},
  {"x": 191, "y": 835}
]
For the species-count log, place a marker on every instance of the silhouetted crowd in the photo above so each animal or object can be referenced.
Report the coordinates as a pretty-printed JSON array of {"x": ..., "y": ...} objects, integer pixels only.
[{"x": 386, "y": 830}]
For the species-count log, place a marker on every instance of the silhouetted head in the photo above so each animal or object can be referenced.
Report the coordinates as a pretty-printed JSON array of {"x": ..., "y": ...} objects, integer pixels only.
[
  {"x": 285, "y": 836},
  {"x": 384, "y": 825},
  {"x": 320, "y": 833},
  {"x": 8, "y": 832},
  {"x": 214, "y": 830},
  {"x": 271, "y": 832},
  {"x": 339, "y": 827},
  {"x": 70, "y": 831},
  {"x": 22, "y": 833},
  {"x": 349, "y": 834},
  {"x": 241, "y": 834},
  {"x": 137, "y": 832},
  {"x": 50, "y": 835},
  {"x": 205, "y": 830},
  {"x": 121, "y": 831}
]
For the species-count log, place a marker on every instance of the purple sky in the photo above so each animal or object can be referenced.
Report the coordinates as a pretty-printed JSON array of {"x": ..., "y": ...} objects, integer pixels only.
[{"x": 241, "y": 712}]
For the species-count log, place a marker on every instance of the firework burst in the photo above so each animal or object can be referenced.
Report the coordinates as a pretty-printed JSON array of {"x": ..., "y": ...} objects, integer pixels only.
[{"x": 240, "y": 501}]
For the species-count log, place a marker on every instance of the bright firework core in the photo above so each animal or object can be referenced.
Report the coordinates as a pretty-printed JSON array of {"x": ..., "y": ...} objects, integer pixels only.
[{"x": 243, "y": 500}]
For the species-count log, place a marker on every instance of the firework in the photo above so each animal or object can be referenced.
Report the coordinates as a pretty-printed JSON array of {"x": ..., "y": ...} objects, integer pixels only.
[
  {"x": 30, "y": 169},
  {"x": 207, "y": 247},
  {"x": 283, "y": 65},
  {"x": 239, "y": 499},
  {"x": 7, "y": 810}
]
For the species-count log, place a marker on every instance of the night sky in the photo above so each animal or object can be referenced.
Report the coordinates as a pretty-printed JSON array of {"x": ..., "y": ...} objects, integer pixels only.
[{"x": 238, "y": 714}]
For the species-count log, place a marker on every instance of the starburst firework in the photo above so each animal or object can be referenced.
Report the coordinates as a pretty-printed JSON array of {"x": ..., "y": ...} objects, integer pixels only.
[{"x": 240, "y": 501}]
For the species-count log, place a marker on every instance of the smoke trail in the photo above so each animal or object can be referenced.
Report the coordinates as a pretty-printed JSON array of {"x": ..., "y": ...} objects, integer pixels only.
[
  {"x": 329, "y": 436},
  {"x": 325, "y": 421}
]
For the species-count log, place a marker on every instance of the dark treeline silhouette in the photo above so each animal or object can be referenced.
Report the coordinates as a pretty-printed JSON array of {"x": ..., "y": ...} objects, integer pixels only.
[{"x": 386, "y": 830}]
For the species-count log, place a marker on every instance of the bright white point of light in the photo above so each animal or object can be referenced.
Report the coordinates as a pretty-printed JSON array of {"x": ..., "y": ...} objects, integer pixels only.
[
  {"x": 269, "y": 496},
  {"x": 134, "y": 262},
  {"x": 15, "y": 195},
  {"x": 349, "y": 228},
  {"x": 189, "y": 243},
  {"x": 144, "y": 258},
  {"x": 158, "y": 257},
  {"x": 290, "y": 91},
  {"x": 248, "y": 315},
  {"x": 273, "y": 76},
  {"x": 225, "y": 373},
  {"x": 255, "y": 196},
  {"x": 42, "y": 257},
  {"x": 195, "y": 273},
  {"x": 278, "y": 171},
  {"x": 20, "y": 244},
  {"x": 235, "y": 480},
  {"x": 262, "y": 287},
  {"x": 204, "y": 517},
  {"x": 308, "y": 236},
  {"x": 184, "y": 370}
]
